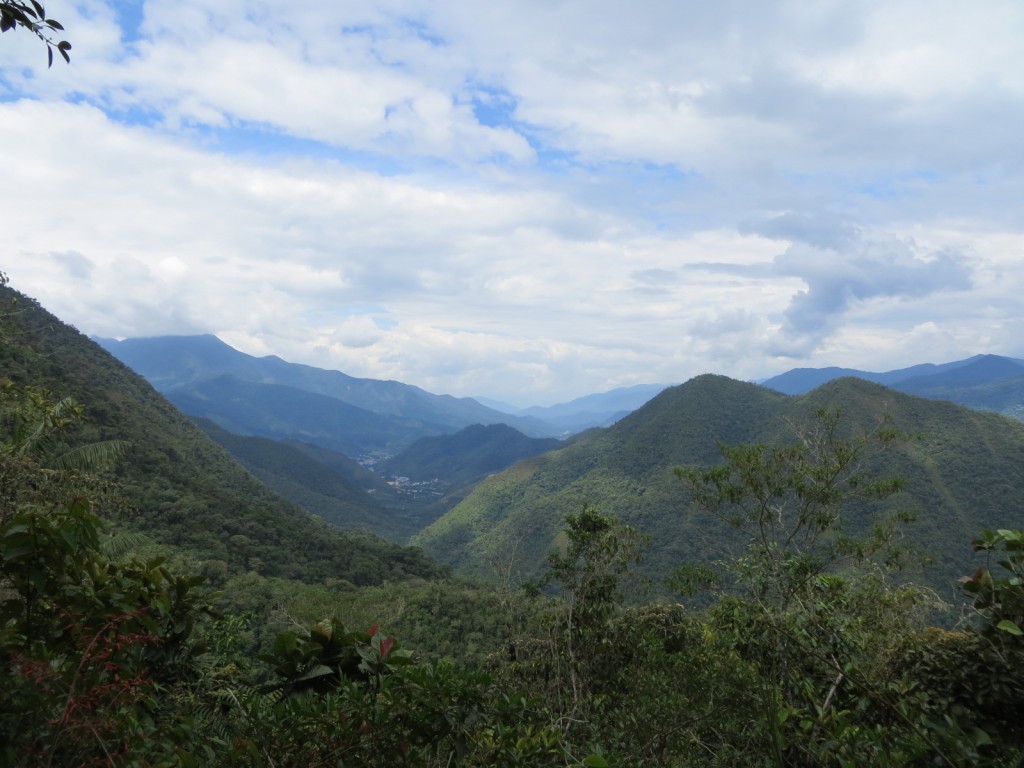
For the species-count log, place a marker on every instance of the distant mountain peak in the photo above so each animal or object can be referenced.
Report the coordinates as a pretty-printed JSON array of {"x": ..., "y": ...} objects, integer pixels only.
[
  {"x": 985, "y": 381},
  {"x": 291, "y": 400}
]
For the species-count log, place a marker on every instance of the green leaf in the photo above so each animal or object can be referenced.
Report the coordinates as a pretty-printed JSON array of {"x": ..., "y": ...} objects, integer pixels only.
[
  {"x": 595, "y": 761},
  {"x": 1008, "y": 626},
  {"x": 320, "y": 670}
]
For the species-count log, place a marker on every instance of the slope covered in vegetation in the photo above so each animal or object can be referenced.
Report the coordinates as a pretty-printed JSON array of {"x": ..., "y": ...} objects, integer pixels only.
[
  {"x": 182, "y": 489},
  {"x": 809, "y": 652},
  {"x": 466, "y": 456},
  {"x": 963, "y": 470},
  {"x": 316, "y": 487}
]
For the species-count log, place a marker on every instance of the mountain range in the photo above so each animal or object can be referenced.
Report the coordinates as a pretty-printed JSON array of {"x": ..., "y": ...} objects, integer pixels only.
[
  {"x": 370, "y": 419},
  {"x": 596, "y": 410},
  {"x": 964, "y": 471},
  {"x": 268, "y": 397},
  {"x": 432, "y": 493},
  {"x": 986, "y": 382}
]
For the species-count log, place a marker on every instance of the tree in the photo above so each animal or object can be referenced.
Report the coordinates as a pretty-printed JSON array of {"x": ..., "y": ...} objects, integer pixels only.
[
  {"x": 589, "y": 569},
  {"x": 90, "y": 645},
  {"x": 850, "y": 675},
  {"x": 789, "y": 503},
  {"x": 32, "y": 16},
  {"x": 999, "y": 602}
]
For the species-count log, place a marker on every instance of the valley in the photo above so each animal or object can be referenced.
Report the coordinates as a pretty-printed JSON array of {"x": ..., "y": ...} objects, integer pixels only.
[
  {"x": 555, "y": 561},
  {"x": 447, "y": 492},
  {"x": 511, "y": 385}
]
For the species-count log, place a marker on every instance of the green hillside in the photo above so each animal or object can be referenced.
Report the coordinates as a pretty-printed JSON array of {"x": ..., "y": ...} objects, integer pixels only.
[
  {"x": 311, "y": 484},
  {"x": 466, "y": 456},
  {"x": 964, "y": 471},
  {"x": 284, "y": 412},
  {"x": 185, "y": 491},
  {"x": 111, "y": 659}
]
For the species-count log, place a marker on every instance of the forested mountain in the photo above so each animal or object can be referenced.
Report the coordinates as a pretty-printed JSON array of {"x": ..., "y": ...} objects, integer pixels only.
[
  {"x": 329, "y": 491},
  {"x": 184, "y": 490},
  {"x": 964, "y": 471},
  {"x": 468, "y": 455},
  {"x": 282, "y": 412},
  {"x": 812, "y": 655},
  {"x": 985, "y": 382},
  {"x": 261, "y": 395}
]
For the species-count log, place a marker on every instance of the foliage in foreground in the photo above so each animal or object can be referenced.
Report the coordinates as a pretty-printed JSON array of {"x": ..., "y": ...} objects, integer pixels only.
[{"x": 813, "y": 657}]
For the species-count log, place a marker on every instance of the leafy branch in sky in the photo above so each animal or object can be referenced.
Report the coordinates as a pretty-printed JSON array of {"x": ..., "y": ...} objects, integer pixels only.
[{"x": 32, "y": 16}]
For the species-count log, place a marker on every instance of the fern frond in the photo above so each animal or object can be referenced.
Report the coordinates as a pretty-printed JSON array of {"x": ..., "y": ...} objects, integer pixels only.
[
  {"x": 91, "y": 457},
  {"x": 120, "y": 544}
]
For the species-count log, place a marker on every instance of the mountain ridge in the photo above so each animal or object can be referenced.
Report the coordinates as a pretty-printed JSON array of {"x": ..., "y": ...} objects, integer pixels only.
[
  {"x": 965, "y": 472},
  {"x": 600, "y": 409},
  {"x": 184, "y": 491},
  {"x": 180, "y": 364},
  {"x": 984, "y": 382},
  {"x": 466, "y": 455}
]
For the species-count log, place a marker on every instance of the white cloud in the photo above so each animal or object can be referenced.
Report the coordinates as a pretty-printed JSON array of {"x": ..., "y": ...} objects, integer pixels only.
[{"x": 523, "y": 199}]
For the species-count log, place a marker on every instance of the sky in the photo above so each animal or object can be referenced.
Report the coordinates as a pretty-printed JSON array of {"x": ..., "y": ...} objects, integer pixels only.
[{"x": 526, "y": 200}]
